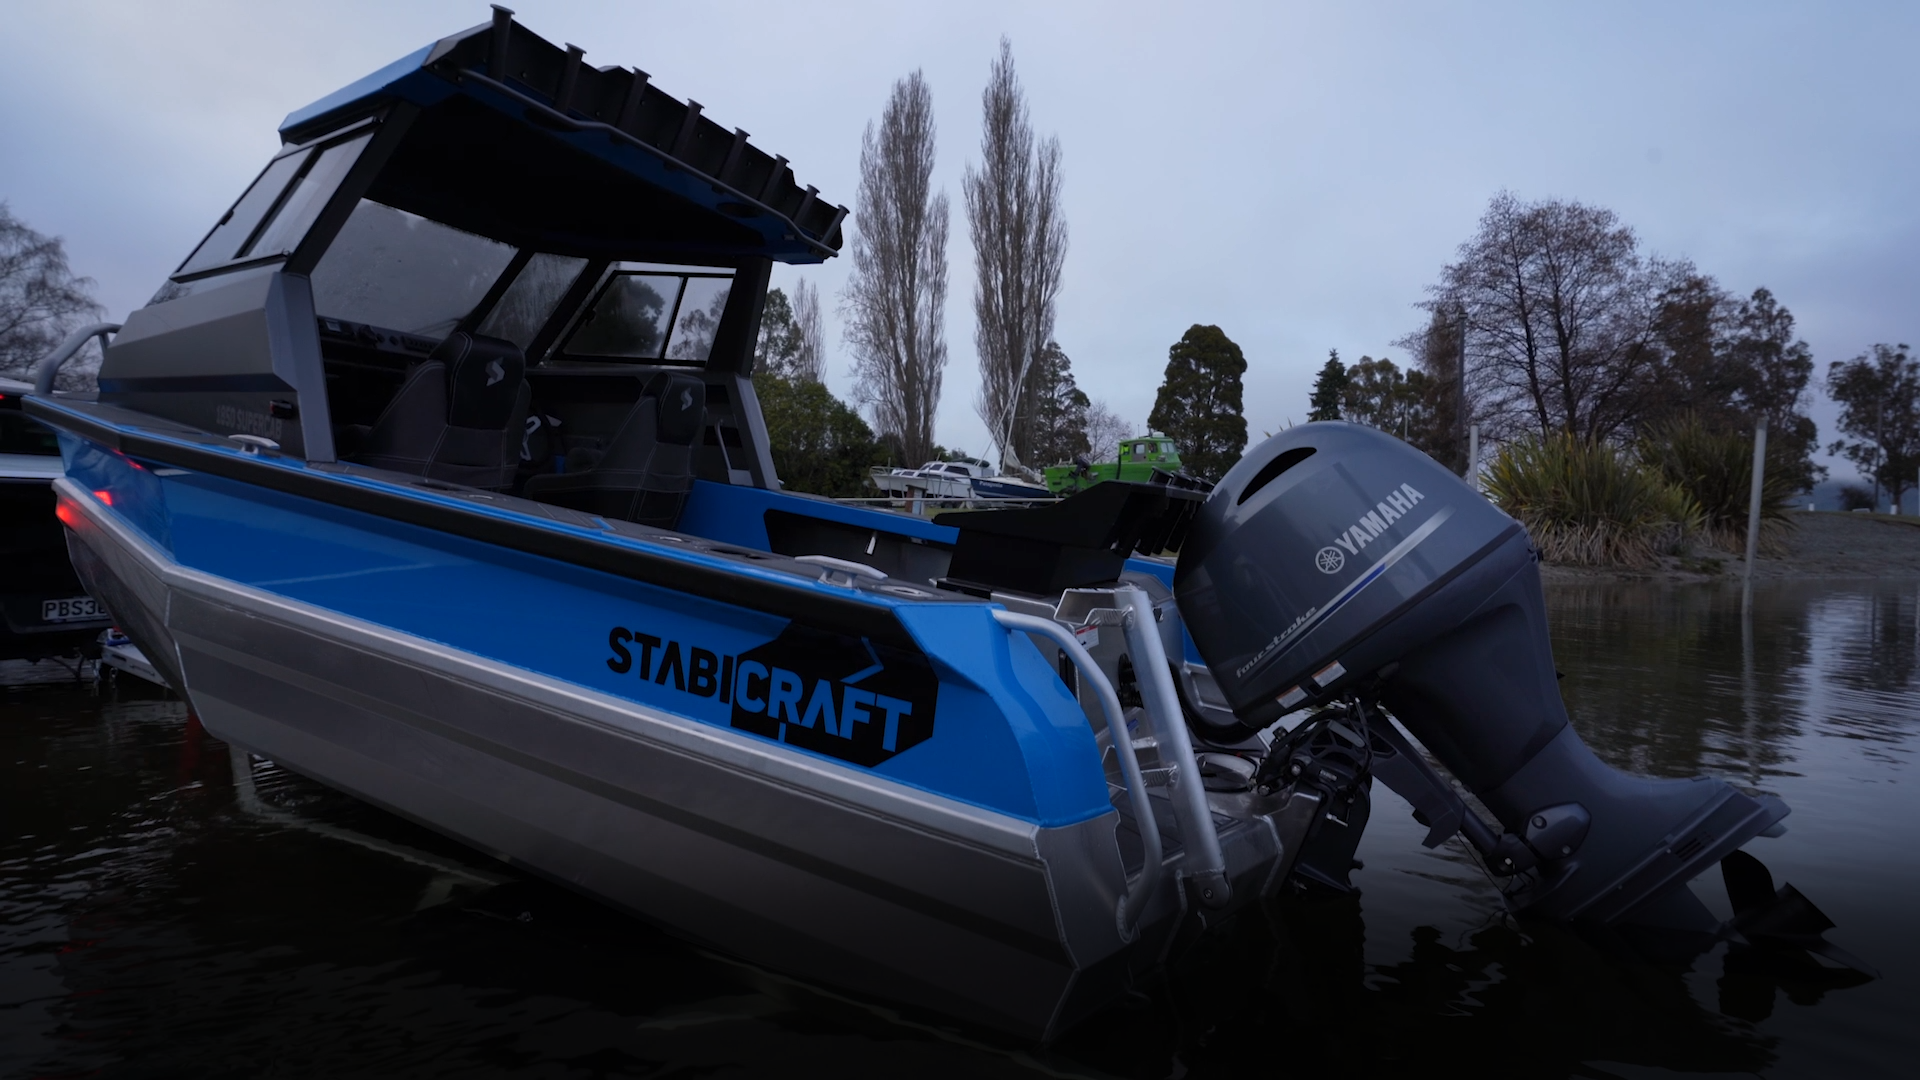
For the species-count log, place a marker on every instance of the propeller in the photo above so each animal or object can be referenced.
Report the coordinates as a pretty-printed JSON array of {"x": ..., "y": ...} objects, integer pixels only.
[{"x": 1780, "y": 918}]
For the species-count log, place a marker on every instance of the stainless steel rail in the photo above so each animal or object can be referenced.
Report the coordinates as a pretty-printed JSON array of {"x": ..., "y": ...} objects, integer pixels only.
[
  {"x": 1140, "y": 893},
  {"x": 1205, "y": 864},
  {"x": 49, "y": 365}
]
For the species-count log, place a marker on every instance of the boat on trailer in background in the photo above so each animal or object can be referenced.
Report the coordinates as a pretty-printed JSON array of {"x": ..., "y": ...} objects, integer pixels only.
[
  {"x": 436, "y": 473},
  {"x": 44, "y": 611},
  {"x": 957, "y": 482}
]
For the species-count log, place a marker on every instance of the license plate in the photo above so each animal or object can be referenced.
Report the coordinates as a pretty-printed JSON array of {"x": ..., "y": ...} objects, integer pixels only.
[{"x": 73, "y": 610}]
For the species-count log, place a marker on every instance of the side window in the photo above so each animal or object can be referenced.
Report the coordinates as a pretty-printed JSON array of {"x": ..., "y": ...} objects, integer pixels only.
[
  {"x": 699, "y": 320},
  {"x": 652, "y": 316},
  {"x": 279, "y": 206},
  {"x": 307, "y": 197},
  {"x": 237, "y": 226},
  {"x": 629, "y": 319}
]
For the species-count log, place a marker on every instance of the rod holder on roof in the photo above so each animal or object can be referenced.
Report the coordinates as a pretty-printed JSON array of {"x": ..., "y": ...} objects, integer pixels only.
[
  {"x": 497, "y": 48},
  {"x": 630, "y": 106},
  {"x": 569, "y": 78},
  {"x": 773, "y": 179},
  {"x": 687, "y": 128},
  {"x": 734, "y": 153}
]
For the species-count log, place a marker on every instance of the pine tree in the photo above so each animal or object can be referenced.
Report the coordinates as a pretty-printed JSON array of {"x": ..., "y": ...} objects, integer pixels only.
[
  {"x": 1328, "y": 388},
  {"x": 1059, "y": 410},
  {"x": 1200, "y": 401}
]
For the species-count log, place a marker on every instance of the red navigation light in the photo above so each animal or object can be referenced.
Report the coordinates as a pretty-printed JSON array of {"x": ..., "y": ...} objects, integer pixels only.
[
  {"x": 104, "y": 496},
  {"x": 64, "y": 512}
]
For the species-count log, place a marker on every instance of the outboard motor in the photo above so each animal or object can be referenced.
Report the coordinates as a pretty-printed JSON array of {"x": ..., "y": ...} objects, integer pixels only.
[{"x": 1335, "y": 563}]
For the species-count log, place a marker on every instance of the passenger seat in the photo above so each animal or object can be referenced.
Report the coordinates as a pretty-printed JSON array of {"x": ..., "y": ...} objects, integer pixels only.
[
  {"x": 457, "y": 418},
  {"x": 646, "y": 470}
]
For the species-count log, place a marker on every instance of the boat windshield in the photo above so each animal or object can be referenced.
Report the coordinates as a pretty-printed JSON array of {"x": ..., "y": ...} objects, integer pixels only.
[
  {"x": 400, "y": 271},
  {"x": 529, "y": 302}
]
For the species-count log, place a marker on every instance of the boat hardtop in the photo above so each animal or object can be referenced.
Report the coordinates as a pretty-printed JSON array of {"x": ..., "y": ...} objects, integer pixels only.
[{"x": 435, "y": 472}]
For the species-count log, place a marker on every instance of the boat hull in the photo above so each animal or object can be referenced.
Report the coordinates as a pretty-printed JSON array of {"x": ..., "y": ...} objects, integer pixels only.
[{"x": 796, "y": 863}]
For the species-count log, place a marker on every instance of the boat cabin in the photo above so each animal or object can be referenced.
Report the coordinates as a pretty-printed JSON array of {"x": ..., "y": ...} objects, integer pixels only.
[
  {"x": 493, "y": 265},
  {"x": 1149, "y": 450},
  {"x": 491, "y": 271}
]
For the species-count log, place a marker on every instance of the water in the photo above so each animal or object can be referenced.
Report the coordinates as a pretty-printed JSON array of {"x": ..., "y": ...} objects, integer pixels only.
[{"x": 164, "y": 913}]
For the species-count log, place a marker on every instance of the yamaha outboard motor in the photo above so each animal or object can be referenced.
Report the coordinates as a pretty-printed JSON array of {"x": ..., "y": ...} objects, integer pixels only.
[{"x": 1336, "y": 563}]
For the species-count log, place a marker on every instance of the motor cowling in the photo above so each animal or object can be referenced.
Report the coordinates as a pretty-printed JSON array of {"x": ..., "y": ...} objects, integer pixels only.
[{"x": 1335, "y": 559}]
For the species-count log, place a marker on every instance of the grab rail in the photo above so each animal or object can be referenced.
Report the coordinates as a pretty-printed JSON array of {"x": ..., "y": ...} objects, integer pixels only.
[
  {"x": 49, "y": 365},
  {"x": 1204, "y": 860},
  {"x": 1140, "y": 893}
]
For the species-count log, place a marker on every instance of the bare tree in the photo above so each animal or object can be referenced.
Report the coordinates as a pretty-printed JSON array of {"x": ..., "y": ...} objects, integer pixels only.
[
  {"x": 1020, "y": 246},
  {"x": 40, "y": 302},
  {"x": 1105, "y": 429},
  {"x": 810, "y": 353},
  {"x": 1560, "y": 317},
  {"x": 895, "y": 300}
]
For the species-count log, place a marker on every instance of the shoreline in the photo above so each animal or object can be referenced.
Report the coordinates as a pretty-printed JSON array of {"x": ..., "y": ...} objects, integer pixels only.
[{"x": 1822, "y": 545}]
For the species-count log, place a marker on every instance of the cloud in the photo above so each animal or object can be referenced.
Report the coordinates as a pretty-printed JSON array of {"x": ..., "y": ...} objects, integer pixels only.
[{"x": 1294, "y": 175}]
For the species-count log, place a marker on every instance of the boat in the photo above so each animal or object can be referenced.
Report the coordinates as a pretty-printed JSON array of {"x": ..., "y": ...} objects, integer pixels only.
[
  {"x": 1137, "y": 459},
  {"x": 118, "y": 654},
  {"x": 938, "y": 480},
  {"x": 435, "y": 473},
  {"x": 958, "y": 481},
  {"x": 44, "y": 611},
  {"x": 1006, "y": 486}
]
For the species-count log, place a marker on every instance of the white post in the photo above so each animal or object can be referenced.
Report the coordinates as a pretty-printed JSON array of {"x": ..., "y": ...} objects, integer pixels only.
[{"x": 1753, "y": 498}]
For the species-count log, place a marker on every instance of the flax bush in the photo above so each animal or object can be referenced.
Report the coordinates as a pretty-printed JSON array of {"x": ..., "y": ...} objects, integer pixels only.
[
  {"x": 1715, "y": 470},
  {"x": 1590, "y": 504}
]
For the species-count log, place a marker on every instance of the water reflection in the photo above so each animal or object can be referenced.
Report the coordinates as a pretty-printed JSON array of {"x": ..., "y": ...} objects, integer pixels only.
[{"x": 164, "y": 911}]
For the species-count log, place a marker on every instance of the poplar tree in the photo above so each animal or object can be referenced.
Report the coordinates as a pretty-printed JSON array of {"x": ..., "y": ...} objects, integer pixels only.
[
  {"x": 895, "y": 300},
  {"x": 1020, "y": 246}
]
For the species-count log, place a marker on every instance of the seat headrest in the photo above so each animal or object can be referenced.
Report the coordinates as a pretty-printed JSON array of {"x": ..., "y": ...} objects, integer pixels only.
[
  {"x": 682, "y": 403},
  {"x": 483, "y": 379}
]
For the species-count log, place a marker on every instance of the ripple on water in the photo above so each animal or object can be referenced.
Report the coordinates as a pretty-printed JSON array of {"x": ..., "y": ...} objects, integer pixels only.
[{"x": 150, "y": 925}]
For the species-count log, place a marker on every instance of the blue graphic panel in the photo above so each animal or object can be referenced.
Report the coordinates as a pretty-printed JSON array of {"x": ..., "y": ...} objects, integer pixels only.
[{"x": 975, "y": 714}]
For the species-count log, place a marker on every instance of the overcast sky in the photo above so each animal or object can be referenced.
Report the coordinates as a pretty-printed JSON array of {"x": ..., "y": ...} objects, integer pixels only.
[{"x": 1295, "y": 173}]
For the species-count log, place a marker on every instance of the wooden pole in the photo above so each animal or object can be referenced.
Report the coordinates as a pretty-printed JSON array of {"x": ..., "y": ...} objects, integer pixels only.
[
  {"x": 1753, "y": 498},
  {"x": 1460, "y": 388}
]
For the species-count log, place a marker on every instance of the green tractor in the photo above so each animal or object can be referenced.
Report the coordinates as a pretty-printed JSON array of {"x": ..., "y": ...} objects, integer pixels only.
[{"x": 1138, "y": 459}]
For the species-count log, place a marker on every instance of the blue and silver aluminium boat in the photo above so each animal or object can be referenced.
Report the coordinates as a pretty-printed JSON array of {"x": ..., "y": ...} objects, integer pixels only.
[{"x": 435, "y": 472}]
